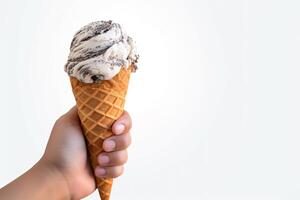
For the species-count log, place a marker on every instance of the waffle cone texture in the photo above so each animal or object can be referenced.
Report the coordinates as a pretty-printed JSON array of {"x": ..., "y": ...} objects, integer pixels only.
[{"x": 99, "y": 106}]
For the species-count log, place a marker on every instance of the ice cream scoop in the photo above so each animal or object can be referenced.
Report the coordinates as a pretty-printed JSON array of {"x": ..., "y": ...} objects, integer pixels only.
[{"x": 99, "y": 50}]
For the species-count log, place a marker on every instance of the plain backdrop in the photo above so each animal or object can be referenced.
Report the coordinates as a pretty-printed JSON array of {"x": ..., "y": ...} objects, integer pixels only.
[{"x": 215, "y": 102}]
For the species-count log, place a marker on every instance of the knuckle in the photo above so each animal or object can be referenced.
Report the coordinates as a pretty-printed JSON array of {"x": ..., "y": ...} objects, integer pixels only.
[
  {"x": 62, "y": 120},
  {"x": 126, "y": 114},
  {"x": 59, "y": 120},
  {"x": 129, "y": 125},
  {"x": 126, "y": 140},
  {"x": 59, "y": 123},
  {"x": 121, "y": 157},
  {"x": 117, "y": 171},
  {"x": 125, "y": 158},
  {"x": 127, "y": 119}
]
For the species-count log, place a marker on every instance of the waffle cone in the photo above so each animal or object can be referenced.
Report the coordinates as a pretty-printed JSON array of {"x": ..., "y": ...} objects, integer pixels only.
[{"x": 99, "y": 106}]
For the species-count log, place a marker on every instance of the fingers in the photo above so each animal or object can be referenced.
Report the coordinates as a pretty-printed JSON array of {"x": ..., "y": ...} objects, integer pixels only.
[
  {"x": 113, "y": 159},
  {"x": 115, "y": 156},
  {"x": 123, "y": 124},
  {"x": 109, "y": 172},
  {"x": 117, "y": 142},
  {"x": 111, "y": 163}
]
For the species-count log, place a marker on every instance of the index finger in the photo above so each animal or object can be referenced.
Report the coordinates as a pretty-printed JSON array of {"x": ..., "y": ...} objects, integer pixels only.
[{"x": 123, "y": 124}]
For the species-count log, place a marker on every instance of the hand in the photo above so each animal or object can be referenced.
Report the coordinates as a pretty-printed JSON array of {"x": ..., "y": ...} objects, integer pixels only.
[{"x": 66, "y": 152}]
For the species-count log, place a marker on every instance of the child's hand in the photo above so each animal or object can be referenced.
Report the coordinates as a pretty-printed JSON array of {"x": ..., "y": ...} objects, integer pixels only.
[{"x": 66, "y": 151}]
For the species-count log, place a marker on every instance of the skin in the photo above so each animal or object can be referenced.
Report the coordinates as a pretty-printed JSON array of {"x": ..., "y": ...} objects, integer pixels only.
[{"x": 63, "y": 172}]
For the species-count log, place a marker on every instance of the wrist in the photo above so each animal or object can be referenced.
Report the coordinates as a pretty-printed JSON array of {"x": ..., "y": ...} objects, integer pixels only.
[{"x": 57, "y": 183}]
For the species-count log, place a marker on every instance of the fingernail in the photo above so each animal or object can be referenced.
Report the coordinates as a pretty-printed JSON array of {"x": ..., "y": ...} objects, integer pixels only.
[
  {"x": 109, "y": 145},
  {"x": 103, "y": 160},
  {"x": 100, "y": 171},
  {"x": 119, "y": 129}
]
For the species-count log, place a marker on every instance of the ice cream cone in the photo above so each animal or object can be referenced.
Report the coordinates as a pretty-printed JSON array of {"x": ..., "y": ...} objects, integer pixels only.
[{"x": 99, "y": 106}]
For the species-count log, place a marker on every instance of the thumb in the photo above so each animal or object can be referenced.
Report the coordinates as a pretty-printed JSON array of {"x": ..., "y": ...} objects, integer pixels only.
[{"x": 72, "y": 114}]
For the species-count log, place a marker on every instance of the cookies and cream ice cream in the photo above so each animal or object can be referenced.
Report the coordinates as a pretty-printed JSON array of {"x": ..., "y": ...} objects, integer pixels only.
[{"x": 99, "y": 50}]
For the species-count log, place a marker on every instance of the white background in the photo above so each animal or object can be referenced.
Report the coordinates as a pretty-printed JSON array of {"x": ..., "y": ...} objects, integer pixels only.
[{"x": 215, "y": 102}]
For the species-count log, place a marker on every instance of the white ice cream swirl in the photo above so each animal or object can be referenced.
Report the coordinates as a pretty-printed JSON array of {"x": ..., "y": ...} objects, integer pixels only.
[{"x": 99, "y": 50}]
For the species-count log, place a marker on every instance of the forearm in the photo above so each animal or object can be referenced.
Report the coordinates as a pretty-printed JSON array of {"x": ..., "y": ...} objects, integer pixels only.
[{"x": 40, "y": 182}]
